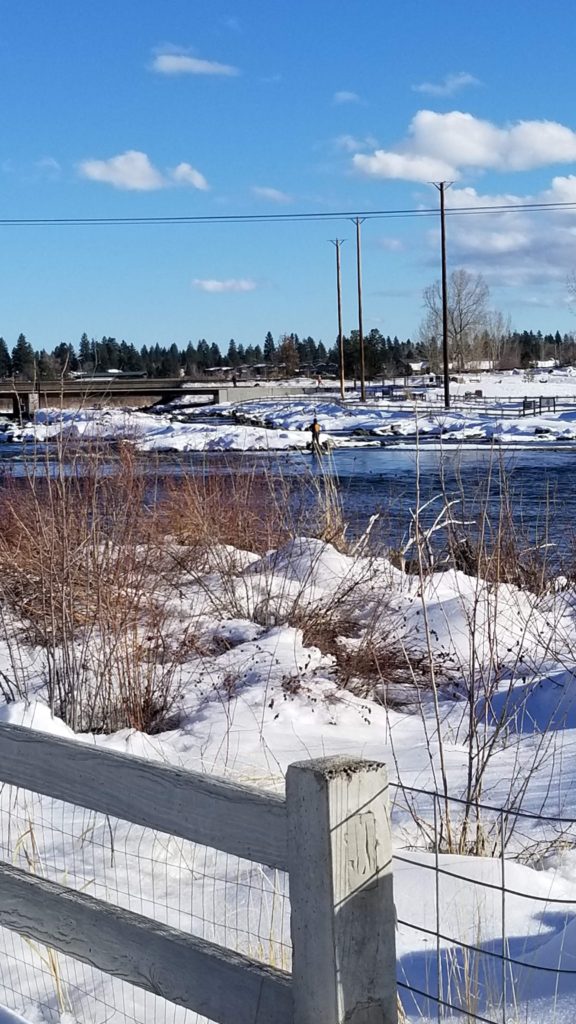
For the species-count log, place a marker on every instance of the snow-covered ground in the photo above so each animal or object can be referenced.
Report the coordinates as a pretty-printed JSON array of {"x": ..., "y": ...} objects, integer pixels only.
[
  {"x": 278, "y": 424},
  {"x": 256, "y": 696},
  {"x": 259, "y": 687}
]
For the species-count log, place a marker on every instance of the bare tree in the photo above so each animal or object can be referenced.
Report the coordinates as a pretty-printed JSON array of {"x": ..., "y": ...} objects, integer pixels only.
[
  {"x": 288, "y": 354},
  {"x": 468, "y": 313},
  {"x": 495, "y": 337}
]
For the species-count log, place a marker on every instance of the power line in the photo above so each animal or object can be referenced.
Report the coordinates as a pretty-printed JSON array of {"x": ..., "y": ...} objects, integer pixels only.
[{"x": 287, "y": 217}]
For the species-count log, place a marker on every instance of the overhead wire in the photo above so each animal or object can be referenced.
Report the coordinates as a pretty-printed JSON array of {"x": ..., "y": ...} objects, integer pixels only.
[{"x": 255, "y": 218}]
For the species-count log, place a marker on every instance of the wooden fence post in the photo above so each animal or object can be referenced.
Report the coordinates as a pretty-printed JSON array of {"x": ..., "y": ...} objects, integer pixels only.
[{"x": 342, "y": 907}]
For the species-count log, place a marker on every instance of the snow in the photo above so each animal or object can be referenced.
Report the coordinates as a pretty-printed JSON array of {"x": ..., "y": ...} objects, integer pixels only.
[
  {"x": 281, "y": 424},
  {"x": 263, "y": 698},
  {"x": 259, "y": 691}
]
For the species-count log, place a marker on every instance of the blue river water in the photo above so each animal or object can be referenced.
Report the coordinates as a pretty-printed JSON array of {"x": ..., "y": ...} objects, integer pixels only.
[{"x": 537, "y": 485}]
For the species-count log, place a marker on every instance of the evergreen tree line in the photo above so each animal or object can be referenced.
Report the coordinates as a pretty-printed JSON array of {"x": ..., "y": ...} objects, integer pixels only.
[{"x": 288, "y": 355}]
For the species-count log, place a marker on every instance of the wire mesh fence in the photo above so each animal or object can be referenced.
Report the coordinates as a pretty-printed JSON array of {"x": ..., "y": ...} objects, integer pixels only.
[
  {"x": 215, "y": 896},
  {"x": 481, "y": 933}
]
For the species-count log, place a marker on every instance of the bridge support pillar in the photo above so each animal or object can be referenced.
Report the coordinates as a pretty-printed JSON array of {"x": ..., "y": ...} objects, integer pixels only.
[{"x": 25, "y": 405}]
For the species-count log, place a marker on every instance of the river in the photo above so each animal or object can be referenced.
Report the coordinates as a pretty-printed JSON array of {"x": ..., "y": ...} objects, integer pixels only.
[{"x": 539, "y": 485}]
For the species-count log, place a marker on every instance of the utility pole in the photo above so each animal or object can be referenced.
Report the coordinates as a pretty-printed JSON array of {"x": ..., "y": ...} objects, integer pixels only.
[
  {"x": 358, "y": 221},
  {"x": 441, "y": 186},
  {"x": 337, "y": 242}
]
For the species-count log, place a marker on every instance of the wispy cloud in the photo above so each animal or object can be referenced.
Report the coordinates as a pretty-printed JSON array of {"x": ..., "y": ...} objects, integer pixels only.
[
  {"x": 351, "y": 144},
  {"x": 440, "y": 146},
  {"x": 343, "y": 96},
  {"x": 230, "y": 284},
  {"x": 133, "y": 171},
  {"x": 174, "y": 61},
  {"x": 273, "y": 195},
  {"x": 390, "y": 244},
  {"x": 48, "y": 167},
  {"x": 185, "y": 174},
  {"x": 450, "y": 84}
]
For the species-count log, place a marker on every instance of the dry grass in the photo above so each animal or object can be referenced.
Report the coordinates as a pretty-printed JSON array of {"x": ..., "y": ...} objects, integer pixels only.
[
  {"x": 368, "y": 663},
  {"x": 94, "y": 555},
  {"x": 79, "y": 570},
  {"x": 245, "y": 510}
]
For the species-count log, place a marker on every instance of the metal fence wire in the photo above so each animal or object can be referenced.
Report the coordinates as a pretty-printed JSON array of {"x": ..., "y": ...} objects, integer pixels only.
[
  {"x": 216, "y": 896},
  {"x": 479, "y": 938},
  {"x": 481, "y": 934}
]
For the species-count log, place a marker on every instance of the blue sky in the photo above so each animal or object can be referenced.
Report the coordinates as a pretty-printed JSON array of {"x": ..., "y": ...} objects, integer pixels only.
[{"x": 134, "y": 108}]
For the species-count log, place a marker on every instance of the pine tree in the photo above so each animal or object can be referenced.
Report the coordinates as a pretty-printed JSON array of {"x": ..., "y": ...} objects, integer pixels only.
[
  {"x": 5, "y": 361},
  {"x": 203, "y": 355},
  {"x": 190, "y": 360},
  {"x": 170, "y": 362},
  {"x": 269, "y": 348},
  {"x": 232, "y": 355},
  {"x": 86, "y": 353},
  {"x": 65, "y": 357},
  {"x": 23, "y": 358},
  {"x": 48, "y": 366}
]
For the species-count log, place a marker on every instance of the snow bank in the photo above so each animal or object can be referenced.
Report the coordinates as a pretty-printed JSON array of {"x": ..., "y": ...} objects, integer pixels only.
[{"x": 258, "y": 696}]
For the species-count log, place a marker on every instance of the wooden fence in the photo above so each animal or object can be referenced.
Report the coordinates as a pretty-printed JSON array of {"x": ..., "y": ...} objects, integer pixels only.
[{"x": 331, "y": 834}]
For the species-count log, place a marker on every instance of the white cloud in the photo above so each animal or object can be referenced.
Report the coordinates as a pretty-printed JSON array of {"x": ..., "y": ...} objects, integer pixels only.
[
  {"x": 131, "y": 170},
  {"x": 351, "y": 144},
  {"x": 274, "y": 195},
  {"x": 448, "y": 85},
  {"x": 440, "y": 146},
  {"x": 185, "y": 174},
  {"x": 231, "y": 284},
  {"x": 408, "y": 166},
  {"x": 517, "y": 248},
  {"x": 134, "y": 171},
  {"x": 173, "y": 62},
  {"x": 343, "y": 96},
  {"x": 563, "y": 190}
]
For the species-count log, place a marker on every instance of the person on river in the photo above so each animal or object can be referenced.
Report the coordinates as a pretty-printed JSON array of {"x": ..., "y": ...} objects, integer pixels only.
[{"x": 315, "y": 445}]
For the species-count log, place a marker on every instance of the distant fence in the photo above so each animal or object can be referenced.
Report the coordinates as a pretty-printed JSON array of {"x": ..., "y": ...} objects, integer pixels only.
[
  {"x": 536, "y": 406},
  {"x": 331, "y": 834},
  {"x": 501, "y": 407}
]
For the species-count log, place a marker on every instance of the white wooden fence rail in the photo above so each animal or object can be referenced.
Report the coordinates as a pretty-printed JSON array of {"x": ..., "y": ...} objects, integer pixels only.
[{"x": 331, "y": 834}]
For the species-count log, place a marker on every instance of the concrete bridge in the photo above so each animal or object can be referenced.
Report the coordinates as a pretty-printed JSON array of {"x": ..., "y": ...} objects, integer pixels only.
[{"x": 22, "y": 398}]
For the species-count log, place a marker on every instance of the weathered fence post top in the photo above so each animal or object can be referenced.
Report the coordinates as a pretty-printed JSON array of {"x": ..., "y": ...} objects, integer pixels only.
[
  {"x": 339, "y": 764},
  {"x": 342, "y": 907}
]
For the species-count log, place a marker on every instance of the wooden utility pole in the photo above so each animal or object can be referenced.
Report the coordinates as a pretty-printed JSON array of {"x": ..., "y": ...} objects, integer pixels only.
[
  {"x": 441, "y": 186},
  {"x": 358, "y": 222},
  {"x": 337, "y": 242}
]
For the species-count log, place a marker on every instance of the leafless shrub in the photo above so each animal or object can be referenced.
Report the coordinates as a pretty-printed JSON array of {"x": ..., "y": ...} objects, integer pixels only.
[
  {"x": 491, "y": 671},
  {"x": 79, "y": 571}
]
